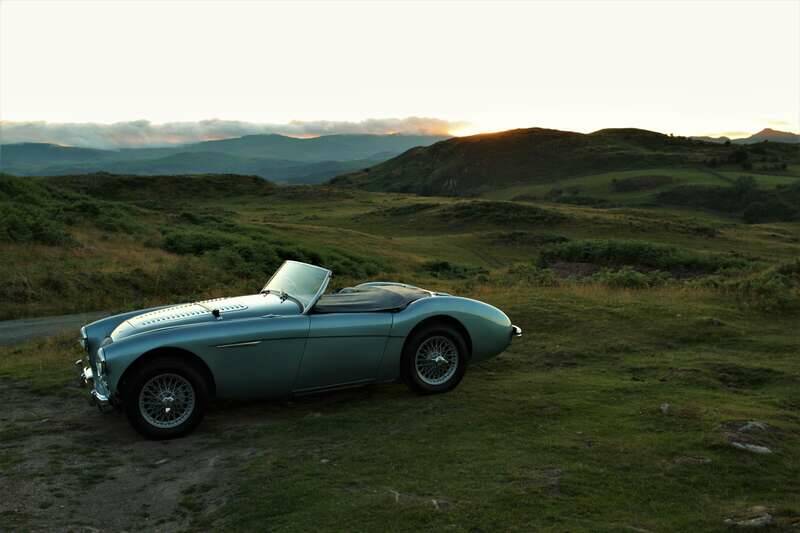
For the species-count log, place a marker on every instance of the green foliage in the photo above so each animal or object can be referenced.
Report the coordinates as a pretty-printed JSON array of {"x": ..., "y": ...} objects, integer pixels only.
[
  {"x": 194, "y": 242},
  {"x": 531, "y": 275},
  {"x": 29, "y": 223},
  {"x": 628, "y": 278},
  {"x": 35, "y": 211},
  {"x": 408, "y": 209},
  {"x": 448, "y": 270},
  {"x": 777, "y": 288},
  {"x": 638, "y": 254},
  {"x": 93, "y": 289},
  {"x": 743, "y": 198},
  {"x": 245, "y": 253},
  {"x": 639, "y": 183},
  {"x": 501, "y": 213},
  {"x": 526, "y": 238}
]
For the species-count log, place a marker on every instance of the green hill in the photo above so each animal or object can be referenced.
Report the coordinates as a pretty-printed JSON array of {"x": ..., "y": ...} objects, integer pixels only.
[{"x": 477, "y": 164}]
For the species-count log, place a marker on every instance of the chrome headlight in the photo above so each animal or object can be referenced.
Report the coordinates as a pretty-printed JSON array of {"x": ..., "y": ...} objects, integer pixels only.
[
  {"x": 84, "y": 340},
  {"x": 101, "y": 367}
]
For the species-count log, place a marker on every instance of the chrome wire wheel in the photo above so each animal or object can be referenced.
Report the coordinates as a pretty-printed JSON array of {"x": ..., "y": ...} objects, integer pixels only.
[
  {"x": 166, "y": 400},
  {"x": 436, "y": 360}
]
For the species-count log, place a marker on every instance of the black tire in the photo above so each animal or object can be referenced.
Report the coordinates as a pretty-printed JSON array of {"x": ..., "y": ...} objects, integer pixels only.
[
  {"x": 434, "y": 333},
  {"x": 181, "y": 374}
]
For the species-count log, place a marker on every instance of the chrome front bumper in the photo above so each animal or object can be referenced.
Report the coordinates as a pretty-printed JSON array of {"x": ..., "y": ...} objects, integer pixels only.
[
  {"x": 516, "y": 331},
  {"x": 86, "y": 379}
]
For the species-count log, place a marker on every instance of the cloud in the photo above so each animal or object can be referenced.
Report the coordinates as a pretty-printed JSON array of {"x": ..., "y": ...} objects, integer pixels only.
[{"x": 142, "y": 133}]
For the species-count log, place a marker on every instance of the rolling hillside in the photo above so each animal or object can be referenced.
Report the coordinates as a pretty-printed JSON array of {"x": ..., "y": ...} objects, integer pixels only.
[
  {"x": 274, "y": 157},
  {"x": 477, "y": 164},
  {"x": 658, "y": 343}
]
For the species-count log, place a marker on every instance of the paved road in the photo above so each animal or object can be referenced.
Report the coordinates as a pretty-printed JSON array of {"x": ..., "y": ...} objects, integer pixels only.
[{"x": 15, "y": 331}]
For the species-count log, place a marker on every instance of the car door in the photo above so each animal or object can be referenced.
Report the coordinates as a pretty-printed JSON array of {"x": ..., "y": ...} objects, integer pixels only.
[
  {"x": 257, "y": 357},
  {"x": 343, "y": 349}
]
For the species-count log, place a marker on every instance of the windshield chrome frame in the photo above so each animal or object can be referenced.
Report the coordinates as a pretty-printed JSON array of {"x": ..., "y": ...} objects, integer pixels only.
[{"x": 322, "y": 287}]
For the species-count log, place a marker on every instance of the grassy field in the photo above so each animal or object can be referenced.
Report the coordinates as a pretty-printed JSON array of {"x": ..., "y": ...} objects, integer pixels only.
[
  {"x": 599, "y": 189},
  {"x": 653, "y": 336}
]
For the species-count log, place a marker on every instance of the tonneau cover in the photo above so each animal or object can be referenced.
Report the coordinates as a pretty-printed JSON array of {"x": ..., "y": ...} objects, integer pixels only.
[{"x": 369, "y": 299}]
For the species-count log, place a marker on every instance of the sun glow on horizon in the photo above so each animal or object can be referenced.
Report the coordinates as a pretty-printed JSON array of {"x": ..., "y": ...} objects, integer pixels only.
[{"x": 646, "y": 66}]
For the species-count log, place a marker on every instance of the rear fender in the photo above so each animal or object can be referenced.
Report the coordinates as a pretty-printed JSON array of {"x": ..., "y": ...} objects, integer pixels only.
[{"x": 489, "y": 329}]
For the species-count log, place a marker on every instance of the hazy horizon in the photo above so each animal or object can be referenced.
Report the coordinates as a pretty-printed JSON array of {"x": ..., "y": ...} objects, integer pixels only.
[{"x": 144, "y": 134}]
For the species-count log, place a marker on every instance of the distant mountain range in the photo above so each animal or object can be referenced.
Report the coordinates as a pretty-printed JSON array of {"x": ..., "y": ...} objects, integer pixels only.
[
  {"x": 278, "y": 158},
  {"x": 480, "y": 163},
  {"x": 410, "y": 163},
  {"x": 767, "y": 134}
]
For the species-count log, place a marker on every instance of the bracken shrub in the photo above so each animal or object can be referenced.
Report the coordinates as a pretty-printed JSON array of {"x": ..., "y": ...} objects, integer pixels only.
[
  {"x": 503, "y": 213},
  {"x": 194, "y": 242},
  {"x": 405, "y": 210},
  {"x": 530, "y": 275},
  {"x": 37, "y": 212},
  {"x": 628, "y": 278},
  {"x": 777, "y": 288},
  {"x": 525, "y": 238},
  {"x": 448, "y": 270},
  {"x": 249, "y": 255},
  {"x": 618, "y": 253},
  {"x": 29, "y": 223},
  {"x": 743, "y": 198}
]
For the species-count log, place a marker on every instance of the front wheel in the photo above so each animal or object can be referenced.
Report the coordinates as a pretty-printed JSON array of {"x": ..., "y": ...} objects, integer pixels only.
[
  {"x": 434, "y": 359},
  {"x": 166, "y": 398}
]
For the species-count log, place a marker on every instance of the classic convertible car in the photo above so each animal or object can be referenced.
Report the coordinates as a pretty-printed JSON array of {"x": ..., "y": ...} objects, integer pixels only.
[{"x": 162, "y": 365}]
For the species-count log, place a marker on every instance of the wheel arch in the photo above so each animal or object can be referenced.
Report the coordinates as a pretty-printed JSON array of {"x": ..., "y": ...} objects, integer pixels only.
[
  {"x": 444, "y": 320},
  {"x": 169, "y": 351}
]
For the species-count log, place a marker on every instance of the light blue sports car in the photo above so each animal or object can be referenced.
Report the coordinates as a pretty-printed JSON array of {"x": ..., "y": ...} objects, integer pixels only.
[{"x": 163, "y": 365}]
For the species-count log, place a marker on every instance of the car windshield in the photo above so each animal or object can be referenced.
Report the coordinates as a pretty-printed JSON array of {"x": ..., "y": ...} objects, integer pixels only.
[{"x": 299, "y": 281}]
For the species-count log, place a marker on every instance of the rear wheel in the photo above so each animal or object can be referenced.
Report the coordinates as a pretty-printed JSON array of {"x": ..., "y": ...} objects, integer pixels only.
[
  {"x": 166, "y": 398},
  {"x": 434, "y": 359}
]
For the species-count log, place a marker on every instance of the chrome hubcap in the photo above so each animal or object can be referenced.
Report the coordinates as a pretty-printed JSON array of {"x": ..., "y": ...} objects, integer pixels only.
[
  {"x": 166, "y": 400},
  {"x": 436, "y": 360}
]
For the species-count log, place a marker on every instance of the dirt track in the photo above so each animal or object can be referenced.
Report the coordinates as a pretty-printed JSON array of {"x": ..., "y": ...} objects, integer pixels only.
[
  {"x": 16, "y": 331},
  {"x": 64, "y": 466}
]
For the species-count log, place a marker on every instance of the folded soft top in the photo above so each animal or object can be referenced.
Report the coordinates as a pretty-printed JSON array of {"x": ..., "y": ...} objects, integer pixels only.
[{"x": 369, "y": 299}]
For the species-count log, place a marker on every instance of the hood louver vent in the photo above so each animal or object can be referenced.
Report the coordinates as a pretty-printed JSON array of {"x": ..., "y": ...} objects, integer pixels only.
[{"x": 182, "y": 312}]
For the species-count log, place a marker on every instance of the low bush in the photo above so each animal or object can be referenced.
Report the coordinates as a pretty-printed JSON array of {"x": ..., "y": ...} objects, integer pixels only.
[
  {"x": 31, "y": 224},
  {"x": 618, "y": 253},
  {"x": 526, "y": 238},
  {"x": 448, "y": 270},
  {"x": 501, "y": 213},
  {"x": 531, "y": 275},
  {"x": 405, "y": 210},
  {"x": 754, "y": 205},
  {"x": 639, "y": 183},
  {"x": 774, "y": 289},
  {"x": 249, "y": 254},
  {"x": 628, "y": 278},
  {"x": 34, "y": 211},
  {"x": 194, "y": 242}
]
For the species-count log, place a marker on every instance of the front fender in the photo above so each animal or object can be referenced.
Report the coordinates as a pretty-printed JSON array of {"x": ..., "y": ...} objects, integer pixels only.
[{"x": 245, "y": 356}]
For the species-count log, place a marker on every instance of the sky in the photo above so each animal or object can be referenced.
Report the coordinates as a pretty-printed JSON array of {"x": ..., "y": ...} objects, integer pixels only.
[{"x": 149, "y": 72}]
